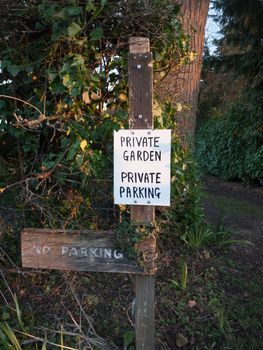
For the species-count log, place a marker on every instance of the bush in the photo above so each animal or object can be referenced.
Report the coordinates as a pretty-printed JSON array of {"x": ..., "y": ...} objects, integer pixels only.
[
  {"x": 63, "y": 90},
  {"x": 186, "y": 207},
  {"x": 231, "y": 145}
]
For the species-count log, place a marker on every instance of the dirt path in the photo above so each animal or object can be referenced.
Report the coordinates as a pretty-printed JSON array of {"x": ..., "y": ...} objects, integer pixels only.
[{"x": 239, "y": 208}]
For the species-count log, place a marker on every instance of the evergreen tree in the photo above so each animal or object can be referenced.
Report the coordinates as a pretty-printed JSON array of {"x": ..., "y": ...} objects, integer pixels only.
[{"x": 241, "y": 48}]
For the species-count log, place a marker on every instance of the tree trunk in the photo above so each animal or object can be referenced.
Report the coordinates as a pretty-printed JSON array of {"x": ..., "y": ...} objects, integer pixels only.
[{"x": 181, "y": 85}]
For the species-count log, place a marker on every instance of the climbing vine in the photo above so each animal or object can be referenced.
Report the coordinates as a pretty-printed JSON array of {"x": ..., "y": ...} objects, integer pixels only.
[{"x": 63, "y": 91}]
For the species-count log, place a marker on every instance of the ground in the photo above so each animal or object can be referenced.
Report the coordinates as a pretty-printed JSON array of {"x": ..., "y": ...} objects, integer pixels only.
[
  {"x": 206, "y": 299},
  {"x": 221, "y": 307},
  {"x": 240, "y": 208}
]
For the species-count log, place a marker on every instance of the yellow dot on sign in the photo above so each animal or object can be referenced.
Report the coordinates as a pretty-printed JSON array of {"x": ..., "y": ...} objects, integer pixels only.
[{"x": 83, "y": 144}]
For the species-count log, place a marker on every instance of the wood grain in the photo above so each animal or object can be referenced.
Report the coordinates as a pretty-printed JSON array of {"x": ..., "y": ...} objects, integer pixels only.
[
  {"x": 140, "y": 72},
  {"x": 74, "y": 250},
  {"x": 140, "y": 117},
  {"x": 144, "y": 315}
]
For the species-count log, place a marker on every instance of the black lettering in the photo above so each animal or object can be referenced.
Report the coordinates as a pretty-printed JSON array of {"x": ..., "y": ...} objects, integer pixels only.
[
  {"x": 140, "y": 177},
  {"x": 125, "y": 155},
  {"x": 123, "y": 175},
  {"x": 157, "y": 192},
  {"x": 145, "y": 156},
  {"x": 158, "y": 178},
  {"x": 156, "y": 141},
  {"x": 135, "y": 192},
  {"x": 128, "y": 192},
  {"x": 139, "y": 155},
  {"x": 128, "y": 142},
  {"x": 144, "y": 142},
  {"x": 158, "y": 155},
  {"x": 130, "y": 177},
  {"x": 122, "y": 190},
  {"x": 132, "y": 155},
  {"x": 139, "y": 141},
  {"x": 150, "y": 193},
  {"x": 146, "y": 177},
  {"x": 150, "y": 138},
  {"x": 151, "y": 177},
  {"x": 122, "y": 140}
]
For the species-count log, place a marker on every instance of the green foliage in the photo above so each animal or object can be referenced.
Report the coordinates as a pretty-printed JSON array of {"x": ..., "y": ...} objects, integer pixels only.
[
  {"x": 231, "y": 146},
  {"x": 185, "y": 187},
  {"x": 128, "y": 340},
  {"x": 183, "y": 276},
  {"x": 63, "y": 87},
  {"x": 240, "y": 49},
  {"x": 202, "y": 235}
]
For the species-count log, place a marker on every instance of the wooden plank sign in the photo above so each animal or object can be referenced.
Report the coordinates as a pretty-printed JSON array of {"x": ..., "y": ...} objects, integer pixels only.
[
  {"x": 142, "y": 167},
  {"x": 74, "y": 250}
]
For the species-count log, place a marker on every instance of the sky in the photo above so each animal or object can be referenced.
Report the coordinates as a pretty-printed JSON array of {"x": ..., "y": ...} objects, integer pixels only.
[{"x": 212, "y": 30}]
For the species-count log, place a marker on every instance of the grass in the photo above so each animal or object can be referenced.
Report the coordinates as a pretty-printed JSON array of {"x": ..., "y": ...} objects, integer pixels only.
[
  {"x": 214, "y": 301},
  {"x": 221, "y": 308},
  {"x": 212, "y": 298},
  {"x": 235, "y": 206}
]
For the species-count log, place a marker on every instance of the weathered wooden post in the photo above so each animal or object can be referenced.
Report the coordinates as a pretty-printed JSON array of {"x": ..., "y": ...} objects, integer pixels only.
[{"x": 140, "y": 117}]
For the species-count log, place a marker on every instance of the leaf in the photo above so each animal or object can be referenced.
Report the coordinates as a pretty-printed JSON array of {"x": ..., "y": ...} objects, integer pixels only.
[
  {"x": 78, "y": 60},
  {"x": 103, "y": 3},
  {"x": 44, "y": 345},
  {"x": 181, "y": 340},
  {"x": 5, "y": 316},
  {"x": 122, "y": 97},
  {"x": 90, "y": 6},
  {"x": 85, "y": 97},
  {"x": 96, "y": 34},
  {"x": 74, "y": 11},
  {"x": 13, "y": 70},
  {"x": 52, "y": 77},
  {"x": 73, "y": 150},
  {"x": 18, "y": 313},
  {"x": 95, "y": 95},
  {"x": 11, "y": 335},
  {"x": 66, "y": 80},
  {"x": 83, "y": 144},
  {"x": 93, "y": 299},
  {"x": 128, "y": 338},
  {"x": 73, "y": 29},
  {"x": 61, "y": 14},
  {"x": 2, "y": 104},
  {"x": 2, "y": 190},
  {"x": 4, "y": 341}
]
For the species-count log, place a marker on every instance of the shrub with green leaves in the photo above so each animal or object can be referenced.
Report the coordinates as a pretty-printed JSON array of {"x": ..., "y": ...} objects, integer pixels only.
[
  {"x": 186, "y": 207},
  {"x": 231, "y": 145},
  {"x": 63, "y": 90}
]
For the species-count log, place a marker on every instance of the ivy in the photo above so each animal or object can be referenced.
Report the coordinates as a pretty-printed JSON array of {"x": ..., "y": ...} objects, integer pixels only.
[{"x": 66, "y": 82}]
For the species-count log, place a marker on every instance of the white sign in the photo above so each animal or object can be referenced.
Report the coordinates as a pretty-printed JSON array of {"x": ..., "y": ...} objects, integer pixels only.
[{"x": 142, "y": 167}]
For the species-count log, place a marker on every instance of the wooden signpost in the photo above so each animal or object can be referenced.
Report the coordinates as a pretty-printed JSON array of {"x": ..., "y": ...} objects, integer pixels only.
[
  {"x": 142, "y": 179},
  {"x": 74, "y": 250}
]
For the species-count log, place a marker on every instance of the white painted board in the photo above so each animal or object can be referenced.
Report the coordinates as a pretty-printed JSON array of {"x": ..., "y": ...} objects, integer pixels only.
[{"x": 142, "y": 163}]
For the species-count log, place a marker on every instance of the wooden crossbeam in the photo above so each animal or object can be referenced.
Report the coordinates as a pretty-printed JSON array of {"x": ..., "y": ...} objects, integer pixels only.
[{"x": 75, "y": 250}]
